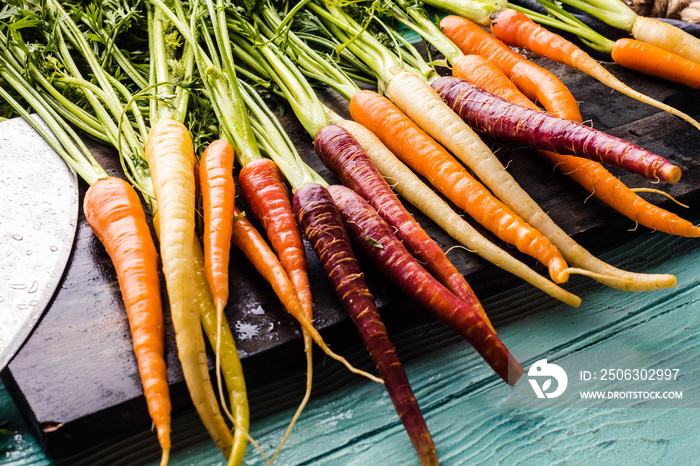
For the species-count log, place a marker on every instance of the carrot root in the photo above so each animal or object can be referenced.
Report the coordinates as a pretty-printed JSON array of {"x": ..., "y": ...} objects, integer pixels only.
[
  {"x": 170, "y": 155},
  {"x": 516, "y": 29},
  {"x": 502, "y": 120},
  {"x": 541, "y": 86},
  {"x": 415, "y": 191},
  {"x": 591, "y": 175},
  {"x": 667, "y": 37},
  {"x": 114, "y": 212},
  {"x": 664, "y": 64},
  {"x": 452, "y": 132},
  {"x": 324, "y": 228},
  {"x": 262, "y": 185},
  {"x": 420, "y": 151}
]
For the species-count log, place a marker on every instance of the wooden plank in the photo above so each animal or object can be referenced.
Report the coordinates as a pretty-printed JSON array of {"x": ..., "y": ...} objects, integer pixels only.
[{"x": 76, "y": 378}]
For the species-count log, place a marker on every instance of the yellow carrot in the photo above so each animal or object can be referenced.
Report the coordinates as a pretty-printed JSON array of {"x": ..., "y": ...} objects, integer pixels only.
[{"x": 170, "y": 155}]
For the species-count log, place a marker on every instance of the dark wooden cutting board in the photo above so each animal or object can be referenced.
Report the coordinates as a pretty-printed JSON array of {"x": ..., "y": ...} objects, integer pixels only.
[{"x": 76, "y": 382}]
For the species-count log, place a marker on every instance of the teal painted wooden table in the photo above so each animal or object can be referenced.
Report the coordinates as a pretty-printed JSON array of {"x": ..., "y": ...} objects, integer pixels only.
[{"x": 351, "y": 421}]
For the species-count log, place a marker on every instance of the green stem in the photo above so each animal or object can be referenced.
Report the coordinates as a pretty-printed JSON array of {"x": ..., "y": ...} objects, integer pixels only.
[
  {"x": 613, "y": 12},
  {"x": 63, "y": 140},
  {"x": 416, "y": 19},
  {"x": 475, "y": 10},
  {"x": 310, "y": 62},
  {"x": 301, "y": 97},
  {"x": 357, "y": 66},
  {"x": 277, "y": 144}
]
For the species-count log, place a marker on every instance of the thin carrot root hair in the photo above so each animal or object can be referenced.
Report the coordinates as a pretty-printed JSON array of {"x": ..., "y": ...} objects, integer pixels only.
[
  {"x": 459, "y": 246},
  {"x": 658, "y": 191},
  {"x": 300, "y": 408}
]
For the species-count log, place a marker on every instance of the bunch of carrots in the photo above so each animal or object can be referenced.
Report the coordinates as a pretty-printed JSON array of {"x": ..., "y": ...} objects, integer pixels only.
[{"x": 201, "y": 65}]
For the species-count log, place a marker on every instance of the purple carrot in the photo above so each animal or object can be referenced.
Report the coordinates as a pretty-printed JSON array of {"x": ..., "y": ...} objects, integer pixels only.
[
  {"x": 348, "y": 161},
  {"x": 323, "y": 226},
  {"x": 502, "y": 120},
  {"x": 374, "y": 237}
]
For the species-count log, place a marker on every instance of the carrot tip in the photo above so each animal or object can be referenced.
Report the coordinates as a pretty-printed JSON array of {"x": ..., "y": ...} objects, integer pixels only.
[
  {"x": 673, "y": 175},
  {"x": 515, "y": 371},
  {"x": 165, "y": 457}
]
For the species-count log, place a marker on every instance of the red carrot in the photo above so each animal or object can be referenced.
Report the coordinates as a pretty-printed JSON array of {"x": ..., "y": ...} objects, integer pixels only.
[
  {"x": 263, "y": 187},
  {"x": 324, "y": 228},
  {"x": 375, "y": 238},
  {"x": 348, "y": 161},
  {"x": 114, "y": 212},
  {"x": 502, "y": 120}
]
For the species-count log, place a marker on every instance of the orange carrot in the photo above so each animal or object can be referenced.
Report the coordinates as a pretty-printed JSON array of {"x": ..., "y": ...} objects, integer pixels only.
[
  {"x": 538, "y": 84},
  {"x": 588, "y": 173},
  {"x": 654, "y": 61},
  {"x": 418, "y": 150},
  {"x": 518, "y": 30},
  {"x": 666, "y": 36},
  {"x": 114, "y": 212},
  {"x": 218, "y": 193}
]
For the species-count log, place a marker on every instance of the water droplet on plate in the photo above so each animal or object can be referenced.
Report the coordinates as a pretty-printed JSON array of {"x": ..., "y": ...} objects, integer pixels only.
[
  {"x": 53, "y": 248},
  {"x": 17, "y": 237},
  {"x": 18, "y": 286},
  {"x": 29, "y": 252},
  {"x": 34, "y": 287}
]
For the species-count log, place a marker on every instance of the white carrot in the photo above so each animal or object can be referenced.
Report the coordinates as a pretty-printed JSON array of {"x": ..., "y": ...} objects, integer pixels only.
[
  {"x": 170, "y": 155},
  {"x": 422, "y": 104}
]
